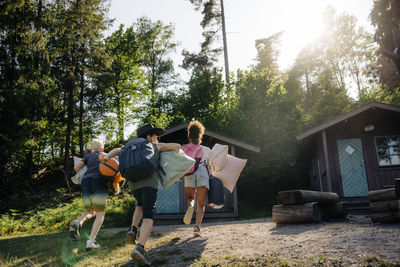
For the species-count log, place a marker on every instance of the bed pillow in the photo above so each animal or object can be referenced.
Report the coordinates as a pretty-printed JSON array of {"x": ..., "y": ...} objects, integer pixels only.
[
  {"x": 77, "y": 178},
  {"x": 218, "y": 157},
  {"x": 230, "y": 173}
]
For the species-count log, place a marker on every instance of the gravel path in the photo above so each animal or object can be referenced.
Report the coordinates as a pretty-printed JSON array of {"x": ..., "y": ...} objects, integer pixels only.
[{"x": 349, "y": 241}]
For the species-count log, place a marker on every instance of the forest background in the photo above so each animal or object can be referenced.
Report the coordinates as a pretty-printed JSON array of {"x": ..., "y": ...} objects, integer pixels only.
[{"x": 63, "y": 82}]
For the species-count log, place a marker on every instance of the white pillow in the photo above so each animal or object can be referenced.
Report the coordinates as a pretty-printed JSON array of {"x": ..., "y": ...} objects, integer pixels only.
[
  {"x": 218, "y": 157},
  {"x": 77, "y": 179},
  {"x": 175, "y": 165},
  {"x": 230, "y": 172}
]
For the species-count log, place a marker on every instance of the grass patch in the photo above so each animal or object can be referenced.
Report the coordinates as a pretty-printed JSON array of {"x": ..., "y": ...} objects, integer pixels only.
[
  {"x": 57, "y": 249},
  {"x": 373, "y": 261},
  {"x": 57, "y": 218}
]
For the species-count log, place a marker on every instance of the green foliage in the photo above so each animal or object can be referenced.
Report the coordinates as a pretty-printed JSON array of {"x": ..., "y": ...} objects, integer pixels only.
[
  {"x": 385, "y": 17},
  {"x": 123, "y": 81}
]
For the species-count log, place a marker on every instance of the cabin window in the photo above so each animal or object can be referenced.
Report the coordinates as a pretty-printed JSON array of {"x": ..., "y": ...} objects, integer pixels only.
[{"x": 388, "y": 150}]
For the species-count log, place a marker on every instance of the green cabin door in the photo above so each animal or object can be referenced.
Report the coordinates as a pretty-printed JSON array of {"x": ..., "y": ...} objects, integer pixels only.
[
  {"x": 168, "y": 200},
  {"x": 352, "y": 169}
]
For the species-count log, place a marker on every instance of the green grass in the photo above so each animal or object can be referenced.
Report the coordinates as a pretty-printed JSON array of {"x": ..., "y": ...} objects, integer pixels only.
[
  {"x": 57, "y": 217},
  {"x": 57, "y": 249}
]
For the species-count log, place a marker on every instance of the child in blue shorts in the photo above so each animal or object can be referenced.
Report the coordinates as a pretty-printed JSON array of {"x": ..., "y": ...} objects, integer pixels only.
[{"x": 94, "y": 195}]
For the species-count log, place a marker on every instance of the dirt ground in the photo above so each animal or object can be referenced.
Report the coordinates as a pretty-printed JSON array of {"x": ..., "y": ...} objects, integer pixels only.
[{"x": 349, "y": 241}]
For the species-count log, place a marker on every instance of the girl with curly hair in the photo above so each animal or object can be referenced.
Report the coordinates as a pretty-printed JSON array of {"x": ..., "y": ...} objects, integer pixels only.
[{"x": 198, "y": 181}]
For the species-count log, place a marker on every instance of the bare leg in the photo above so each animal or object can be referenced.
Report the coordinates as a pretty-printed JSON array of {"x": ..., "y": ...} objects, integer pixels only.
[
  {"x": 190, "y": 194},
  {"x": 86, "y": 215},
  {"x": 145, "y": 230},
  {"x": 137, "y": 216},
  {"x": 97, "y": 224},
  {"x": 201, "y": 201}
]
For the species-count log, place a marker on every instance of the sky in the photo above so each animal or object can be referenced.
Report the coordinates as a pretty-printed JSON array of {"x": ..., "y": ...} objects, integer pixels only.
[{"x": 246, "y": 21}]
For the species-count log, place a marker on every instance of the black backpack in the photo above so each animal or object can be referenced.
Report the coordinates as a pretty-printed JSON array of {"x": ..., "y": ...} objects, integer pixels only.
[{"x": 137, "y": 161}]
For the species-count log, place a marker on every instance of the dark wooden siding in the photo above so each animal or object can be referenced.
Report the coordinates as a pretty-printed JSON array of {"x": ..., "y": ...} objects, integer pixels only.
[{"x": 386, "y": 123}]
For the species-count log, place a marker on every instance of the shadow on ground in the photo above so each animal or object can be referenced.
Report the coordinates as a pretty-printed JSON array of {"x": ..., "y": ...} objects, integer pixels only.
[{"x": 172, "y": 253}]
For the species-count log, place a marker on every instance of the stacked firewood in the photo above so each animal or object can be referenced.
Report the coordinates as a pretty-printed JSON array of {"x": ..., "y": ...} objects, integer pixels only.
[
  {"x": 300, "y": 206},
  {"x": 385, "y": 204}
]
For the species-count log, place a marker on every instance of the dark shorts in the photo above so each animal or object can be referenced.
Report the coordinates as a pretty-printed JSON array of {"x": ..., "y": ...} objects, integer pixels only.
[
  {"x": 94, "y": 194},
  {"x": 146, "y": 198}
]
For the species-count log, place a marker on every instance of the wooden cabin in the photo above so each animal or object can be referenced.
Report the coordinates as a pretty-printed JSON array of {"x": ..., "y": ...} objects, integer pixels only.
[
  {"x": 171, "y": 202},
  {"x": 355, "y": 153}
]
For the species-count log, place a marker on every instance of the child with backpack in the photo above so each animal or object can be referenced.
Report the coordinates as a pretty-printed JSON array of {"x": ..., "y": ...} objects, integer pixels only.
[
  {"x": 138, "y": 163},
  {"x": 197, "y": 179},
  {"x": 94, "y": 195}
]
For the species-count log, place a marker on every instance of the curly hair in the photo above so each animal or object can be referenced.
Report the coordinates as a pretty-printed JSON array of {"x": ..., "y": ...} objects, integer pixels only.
[{"x": 195, "y": 132}]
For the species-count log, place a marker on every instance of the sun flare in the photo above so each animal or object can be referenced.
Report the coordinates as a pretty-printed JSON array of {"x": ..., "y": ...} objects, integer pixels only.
[{"x": 303, "y": 24}]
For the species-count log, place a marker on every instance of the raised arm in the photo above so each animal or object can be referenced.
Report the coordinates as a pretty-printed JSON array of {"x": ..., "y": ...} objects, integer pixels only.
[
  {"x": 78, "y": 166},
  {"x": 113, "y": 153},
  {"x": 168, "y": 146}
]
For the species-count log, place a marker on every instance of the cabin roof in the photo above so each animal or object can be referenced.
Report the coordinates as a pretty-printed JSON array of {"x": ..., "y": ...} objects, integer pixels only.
[
  {"x": 346, "y": 116},
  {"x": 216, "y": 136}
]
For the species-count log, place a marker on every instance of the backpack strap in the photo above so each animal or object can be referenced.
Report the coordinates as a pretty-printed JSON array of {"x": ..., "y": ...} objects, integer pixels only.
[{"x": 109, "y": 166}]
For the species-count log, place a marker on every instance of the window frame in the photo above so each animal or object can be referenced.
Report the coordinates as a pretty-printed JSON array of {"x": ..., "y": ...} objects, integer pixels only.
[{"x": 376, "y": 151}]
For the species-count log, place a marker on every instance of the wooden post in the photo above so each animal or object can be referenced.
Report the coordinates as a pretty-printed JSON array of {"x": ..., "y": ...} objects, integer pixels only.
[
  {"x": 307, "y": 212},
  {"x": 391, "y": 216},
  {"x": 225, "y": 43},
  {"x": 235, "y": 200},
  {"x": 326, "y": 156},
  {"x": 319, "y": 176},
  {"x": 383, "y": 206},
  {"x": 382, "y": 195},
  {"x": 304, "y": 196}
]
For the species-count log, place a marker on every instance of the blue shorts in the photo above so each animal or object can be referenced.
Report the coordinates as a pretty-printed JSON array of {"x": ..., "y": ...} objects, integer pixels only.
[
  {"x": 198, "y": 179},
  {"x": 94, "y": 194}
]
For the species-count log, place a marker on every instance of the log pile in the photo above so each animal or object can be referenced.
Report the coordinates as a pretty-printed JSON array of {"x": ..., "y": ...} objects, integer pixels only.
[
  {"x": 385, "y": 204},
  {"x": 301, "y": 206}
]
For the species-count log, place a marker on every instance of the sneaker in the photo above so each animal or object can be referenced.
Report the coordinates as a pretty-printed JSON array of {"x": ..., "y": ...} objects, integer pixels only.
[
  {"x": 188, "y": 215},
  {"x": 196, "y": 231},
  {"x": 139, "y": 255},
  {"x": 74, "y": 228},
  {"x": 131, "y": 236},
  {"x": 91, "y": 244}
]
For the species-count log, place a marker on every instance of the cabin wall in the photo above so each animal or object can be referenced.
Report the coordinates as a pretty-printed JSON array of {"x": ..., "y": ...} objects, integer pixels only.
[{"x": 386, "y": 123}]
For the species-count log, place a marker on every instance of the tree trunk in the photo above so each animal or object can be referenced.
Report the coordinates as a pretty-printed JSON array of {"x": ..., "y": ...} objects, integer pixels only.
[
  {"x": 225, "y": 43},
  {"x": 120, "y": 120},
  {"x": 383, "y": 206},
  {"x": 381, "y": 195},
  {"x": 81, "y": 110},
  {"x": 304, "y": 196},
  {"x": 70, "y": 122},
  {"x": 307, "y": 84},
  {"x": 307, "y": 212},
  {"x": 386, "y": 217}
]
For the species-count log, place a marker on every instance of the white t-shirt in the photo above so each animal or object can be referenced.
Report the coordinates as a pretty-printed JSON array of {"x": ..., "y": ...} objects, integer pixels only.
[{"x": 206, "y": 154}]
